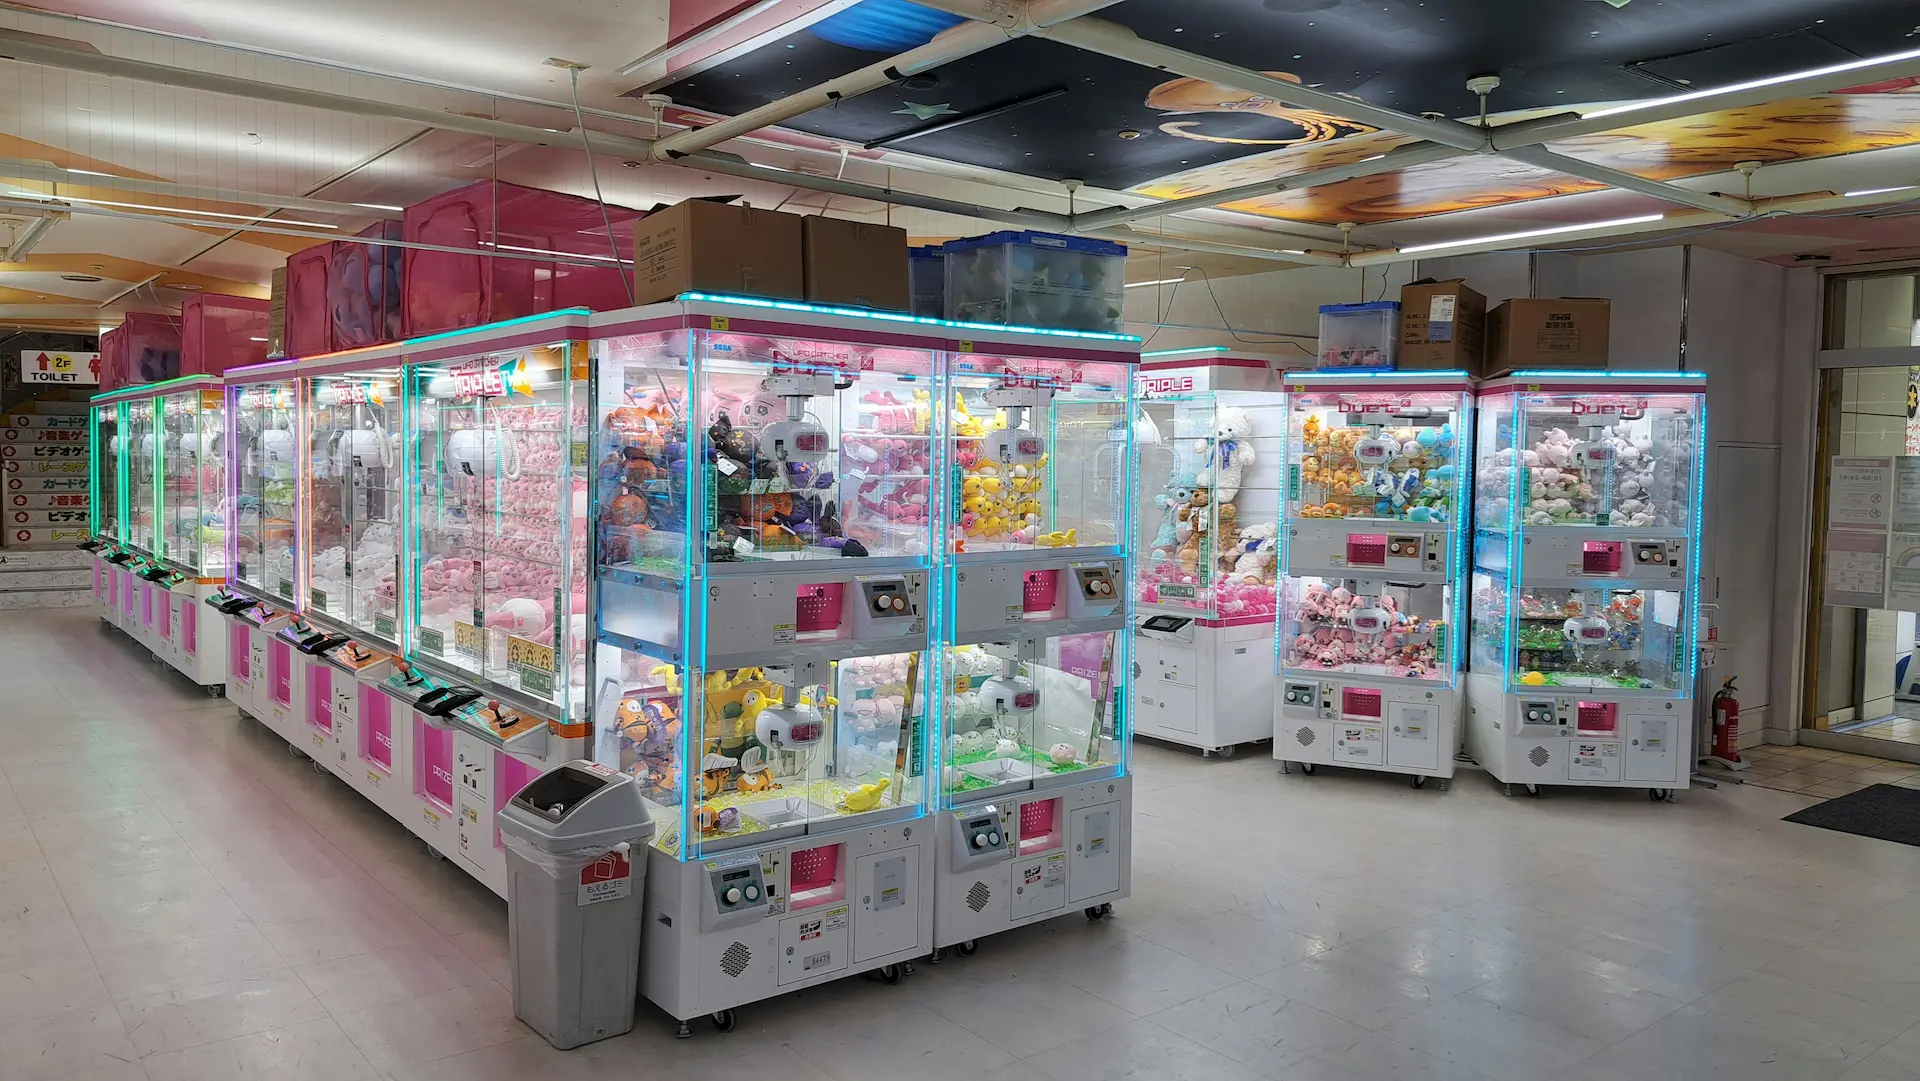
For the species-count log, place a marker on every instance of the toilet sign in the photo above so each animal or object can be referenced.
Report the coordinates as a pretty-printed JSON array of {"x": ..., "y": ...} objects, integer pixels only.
[
  {"x": 42, "y": 366},
  {"x": 608, "y": 878}
]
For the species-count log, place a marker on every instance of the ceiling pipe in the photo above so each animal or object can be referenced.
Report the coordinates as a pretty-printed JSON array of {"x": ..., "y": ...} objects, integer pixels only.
[
  {"x": 1129, "y": 235},
  {"x": 1673, "y": 193},
  {"x": 49, "y": 173},
  {"x": 1399, "y": 158},
  {"x": 954, "y": 43}
]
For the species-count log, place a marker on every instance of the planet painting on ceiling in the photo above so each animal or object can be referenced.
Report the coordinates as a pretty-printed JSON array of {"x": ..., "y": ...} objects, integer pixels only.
[{"x": 1041, "y": 108}]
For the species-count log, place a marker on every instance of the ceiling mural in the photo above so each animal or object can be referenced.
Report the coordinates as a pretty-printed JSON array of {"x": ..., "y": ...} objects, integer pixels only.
[{"x": 1043, "y": 109}]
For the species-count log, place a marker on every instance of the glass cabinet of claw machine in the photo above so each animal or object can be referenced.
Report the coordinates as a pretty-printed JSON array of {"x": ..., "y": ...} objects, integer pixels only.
[
  {"x": 354, "y": 500},
  {"x": 143, "y": 440},
  {"x": 1209, "y": 443},
  {"x": 107, "y": 489},
  {"x": 765, "y": 505},
  {"x": 1586, "y": 547},
  {"x": 493, "y": 447},
  {"x": 1038, "y": 526},
  {"x": 265, "y": 421},
  {"x": 1370, "y": 635},
  {"x": 193, "y": 479}
]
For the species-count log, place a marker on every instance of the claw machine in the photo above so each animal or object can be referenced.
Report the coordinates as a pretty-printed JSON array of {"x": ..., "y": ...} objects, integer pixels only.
[
  {"x": 1208, "y": 427},
  {"x": 140, "y": 600},
  {"x": 1370, "y": 633},
  {"x": 766, "y": 486},
  {"x": 492, "y": 446},
  {"x": 260, "y": 599},
  {"x": 105, "y": 501},
  {"x": 1037, "y": 550},
  {"x": 1588, "y": 496},
  {"x": 190, "y": 537},
  {"x": 352, "y": 555}
]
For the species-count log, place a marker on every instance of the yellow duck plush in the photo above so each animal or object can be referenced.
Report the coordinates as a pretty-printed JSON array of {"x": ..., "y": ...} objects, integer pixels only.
[{"x": 867, "y": 796}]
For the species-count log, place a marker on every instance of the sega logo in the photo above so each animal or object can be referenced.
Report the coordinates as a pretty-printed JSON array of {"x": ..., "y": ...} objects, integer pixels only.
[
  {"x": 1621, "y": 407},
  {"x": 1165, "y": 384}
]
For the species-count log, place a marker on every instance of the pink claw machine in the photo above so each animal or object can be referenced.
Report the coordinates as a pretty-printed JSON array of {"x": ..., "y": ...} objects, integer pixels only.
[
  {"x": 352, "y": 555},
  {"x": 1588, "y": 495},
  {"x": 494, "y": 434},
  {"x": 105, "y": 499},
  {"x": 260, "y": 600},
  {"x": 1370, "y": 632},
  {"x": 192, "y": 512}
]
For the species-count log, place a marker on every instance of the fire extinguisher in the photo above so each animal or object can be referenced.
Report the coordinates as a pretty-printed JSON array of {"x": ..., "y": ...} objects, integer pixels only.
[{"x": 1726, "y": 724}]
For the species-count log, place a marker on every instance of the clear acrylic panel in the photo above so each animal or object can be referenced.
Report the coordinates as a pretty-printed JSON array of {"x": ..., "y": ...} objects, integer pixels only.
[
  {"x": 1375, "y": 453},
  {"x": 1366, "y": 627},
  {"x": 1040, "y": 453},
  {"x": 1597, "y": 459},
  {"x": 643, "y": 482},
  {"x": 192, "y": 467},
  {"x": 1592, "y": 639},
  {"x": 819, "y": 449},
  {"x": 639, "y": 704},
  {"x": 143, "y": 449},
  {"x": 354, "y": 425},
  {"x": 1017, "y": 714},
  {"x": 266, "y": 468},
  {"x": 500, "y": 518},
  {"x": 1213, "y": 471}
]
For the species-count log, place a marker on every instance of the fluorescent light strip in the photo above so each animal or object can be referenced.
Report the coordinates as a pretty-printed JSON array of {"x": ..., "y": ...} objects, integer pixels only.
[
  {"x": 1754, "y": 84},
  {"x": 1500, "y": 238},
  {"x": 1191, "y": 349},
  {"x": 1160, "y": 281},
  {"x": 1878, "y": 191},
  {"x": 163, "y": 209},
  {"x": 379, "y": 206}
]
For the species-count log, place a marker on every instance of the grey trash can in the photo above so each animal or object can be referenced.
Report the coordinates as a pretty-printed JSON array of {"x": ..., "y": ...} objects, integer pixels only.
[{"x": 576, "y": 870}]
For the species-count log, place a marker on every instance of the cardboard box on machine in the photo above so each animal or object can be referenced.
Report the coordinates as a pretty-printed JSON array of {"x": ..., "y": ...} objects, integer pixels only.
[
  {"x": 855, "y": 263},
  {"x": 704, "y": 246},
  {"x": 1567, "y": 332},
  {"x": 1443, "y": 326}
]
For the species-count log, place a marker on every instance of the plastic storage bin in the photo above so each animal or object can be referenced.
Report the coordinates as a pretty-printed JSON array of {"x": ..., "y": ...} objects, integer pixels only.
[
  {"x": 449, "y": 290},
  {"x": 218, "y": 332},
  {"x": 927, "y": 281},
  {"x": 1360, "y": 335},
  {"x": 1037, "y": 280},
  {"x": 152, "y": 347}
]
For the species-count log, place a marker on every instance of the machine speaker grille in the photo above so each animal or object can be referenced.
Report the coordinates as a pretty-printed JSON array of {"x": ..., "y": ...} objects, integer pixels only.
[
  {"x": 1538, "y": 756},
  {"x": 978, "y": 896},
  {"x": 1305, "y": 736},
  {"x": 736, "y": 959}
]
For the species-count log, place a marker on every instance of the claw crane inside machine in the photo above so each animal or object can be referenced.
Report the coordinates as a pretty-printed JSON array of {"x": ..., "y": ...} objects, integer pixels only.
[
  {"x": 493, "y": 446},
  {"x": 351, "y": 556},
  {"x": 766, "y": 491},
  {"x": 1208, "y": 434},
  {"x": 1370, "y": 635},
  {"x": 1586, "y": 554},
  {"x": 1035, "y": 791}
]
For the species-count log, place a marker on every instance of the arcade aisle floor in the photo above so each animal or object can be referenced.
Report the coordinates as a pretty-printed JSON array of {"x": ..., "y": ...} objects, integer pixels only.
[{"x": 183, "y": 901}]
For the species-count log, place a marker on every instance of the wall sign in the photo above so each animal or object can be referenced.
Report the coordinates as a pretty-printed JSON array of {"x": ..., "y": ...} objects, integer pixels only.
[{"x": 75, "y": 369}]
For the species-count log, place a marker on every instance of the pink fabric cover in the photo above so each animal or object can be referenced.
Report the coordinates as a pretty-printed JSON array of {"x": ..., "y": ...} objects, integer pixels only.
[{"x": 218, "y": 332}]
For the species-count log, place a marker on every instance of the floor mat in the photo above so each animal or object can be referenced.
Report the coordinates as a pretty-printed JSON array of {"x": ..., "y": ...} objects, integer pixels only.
[{"x": 1885, "y": 811}]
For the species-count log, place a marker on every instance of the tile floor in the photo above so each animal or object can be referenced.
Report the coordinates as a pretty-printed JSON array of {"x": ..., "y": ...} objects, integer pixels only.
[
  {"x": 1823, "y": 773},
  {"x": 182, "y": 900},
  {"x": 1902, "y": 728}
]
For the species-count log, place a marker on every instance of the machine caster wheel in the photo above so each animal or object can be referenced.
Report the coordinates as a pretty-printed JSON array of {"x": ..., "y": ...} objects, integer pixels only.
[
  {"x": 1660, "y": 795},
  {"x": 1227, "y": 751},
  {"x": 1419, "y": 781},
  {"x": 295, "y": 751},
  {"x": 1306, "y": 768},
  {"x": 1100, "y": 912},
  {"x": 434, "y": 853},
  {"x": 684, "y": 1032},
  {"x": 967, "y": 948},
  {"x": 892, "y": 974},
  {"x": 155, "y": 656},
  {"x": 321, "y": 768},
  {"x": 218, "y": 690},
  {"x": 724, "y": 1020},
  {"x": 1533, "y": 791}
]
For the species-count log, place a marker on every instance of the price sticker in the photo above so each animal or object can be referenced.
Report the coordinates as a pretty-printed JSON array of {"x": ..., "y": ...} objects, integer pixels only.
[{"x": 468, "y": 640}]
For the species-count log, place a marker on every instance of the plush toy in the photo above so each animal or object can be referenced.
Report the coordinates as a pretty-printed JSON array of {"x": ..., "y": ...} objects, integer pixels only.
[
  {"x": 1232, "y": 454},
  {"x": 1256, "y": 553}
]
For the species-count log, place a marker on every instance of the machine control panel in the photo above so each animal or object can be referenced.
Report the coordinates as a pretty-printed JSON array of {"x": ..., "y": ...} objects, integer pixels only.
[
  {"x": 979, "y": 837},
  {"x": 1304, "y": 695},
  {"x": 1545, "y": 716},
  {"x": 1096, "y": 590},
  {"x": 738, "y": 887}
]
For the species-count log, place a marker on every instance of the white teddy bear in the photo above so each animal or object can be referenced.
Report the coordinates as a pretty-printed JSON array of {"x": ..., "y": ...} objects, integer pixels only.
[{"x": 1233, "y": 450}]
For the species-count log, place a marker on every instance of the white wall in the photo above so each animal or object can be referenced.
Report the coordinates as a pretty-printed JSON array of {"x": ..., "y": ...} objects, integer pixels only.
[{"x": 1260, "y": 307}]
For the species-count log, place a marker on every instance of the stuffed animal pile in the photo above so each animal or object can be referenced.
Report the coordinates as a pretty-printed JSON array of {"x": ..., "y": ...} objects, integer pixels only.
[
  {"x": 1331, "y": 635},
  {"x": 1201, "y": 549},
  {"x": 1414, "y": 485},
  {"x": 1000, "y": 501},
  {"x": 1613, "y": 476}
]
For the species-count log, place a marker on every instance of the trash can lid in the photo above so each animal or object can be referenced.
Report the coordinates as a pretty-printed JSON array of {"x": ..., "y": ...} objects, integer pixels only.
[{"x": 577, "y": 805}]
